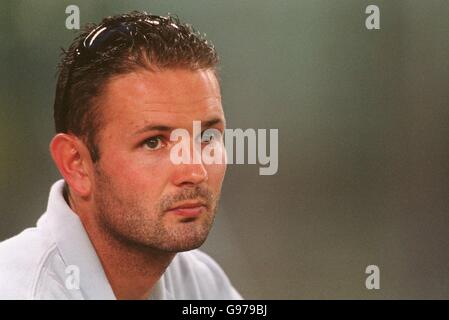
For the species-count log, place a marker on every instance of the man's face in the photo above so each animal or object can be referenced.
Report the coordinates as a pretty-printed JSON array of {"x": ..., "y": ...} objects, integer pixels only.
[{"x": 136, "y": 184}]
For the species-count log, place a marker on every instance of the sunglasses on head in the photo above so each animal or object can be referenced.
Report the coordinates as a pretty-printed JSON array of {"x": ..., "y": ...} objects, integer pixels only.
[
  {"x": 107, "y": 38},
  {"x": 104, "y": 37}
]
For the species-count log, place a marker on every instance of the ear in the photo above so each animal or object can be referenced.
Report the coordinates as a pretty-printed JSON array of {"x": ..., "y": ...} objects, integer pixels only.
[{"x": 73, "y": 160}]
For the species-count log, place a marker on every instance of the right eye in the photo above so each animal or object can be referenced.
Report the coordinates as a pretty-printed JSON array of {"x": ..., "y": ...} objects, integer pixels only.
[{"x": 153, "y": 143}]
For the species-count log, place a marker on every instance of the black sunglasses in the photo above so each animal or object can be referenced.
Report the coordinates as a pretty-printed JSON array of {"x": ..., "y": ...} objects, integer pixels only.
[
  {"x": 105, "y": 37},
  {"x": 108, "y": 38}
]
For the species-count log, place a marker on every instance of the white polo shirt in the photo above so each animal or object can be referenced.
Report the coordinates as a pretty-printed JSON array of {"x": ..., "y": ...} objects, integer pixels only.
[{"x": 56, "y": 260}]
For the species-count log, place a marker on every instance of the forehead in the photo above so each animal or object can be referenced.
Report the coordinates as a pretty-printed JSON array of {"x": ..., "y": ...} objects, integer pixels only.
[{"x": 169, "y": 97}]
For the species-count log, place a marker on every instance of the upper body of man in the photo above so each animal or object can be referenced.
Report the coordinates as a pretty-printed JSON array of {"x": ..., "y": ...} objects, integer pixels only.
[
  {"x": 56, "y": 260},
  {"x": 126, "y": 219}
]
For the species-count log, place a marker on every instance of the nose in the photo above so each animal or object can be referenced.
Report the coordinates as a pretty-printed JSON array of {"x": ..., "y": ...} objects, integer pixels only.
[
  {"x": 189, "y": 174},
  {"x": 194, "y": 171}
]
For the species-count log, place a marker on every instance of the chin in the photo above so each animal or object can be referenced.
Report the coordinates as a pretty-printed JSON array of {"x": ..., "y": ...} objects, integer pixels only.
[{"x": 185, "y": 244}]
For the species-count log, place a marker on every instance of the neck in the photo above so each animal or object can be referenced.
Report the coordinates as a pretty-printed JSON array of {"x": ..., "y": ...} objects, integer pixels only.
[{"x": 132, "y": 269}]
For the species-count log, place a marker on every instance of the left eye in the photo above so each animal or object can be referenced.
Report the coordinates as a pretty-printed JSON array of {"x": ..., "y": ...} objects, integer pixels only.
[
  {"x": 153, "y": 143},
  {"x": 209, "y": 135}
]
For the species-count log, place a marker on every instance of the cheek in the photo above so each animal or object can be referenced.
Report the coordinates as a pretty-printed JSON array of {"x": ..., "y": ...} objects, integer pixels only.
[
  {"x": 135, "y": 176},
  {"x": 216, "y": 173}
]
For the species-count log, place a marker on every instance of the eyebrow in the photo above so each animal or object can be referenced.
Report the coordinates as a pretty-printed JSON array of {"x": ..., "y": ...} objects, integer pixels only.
[{"x": 158, "y": 127}]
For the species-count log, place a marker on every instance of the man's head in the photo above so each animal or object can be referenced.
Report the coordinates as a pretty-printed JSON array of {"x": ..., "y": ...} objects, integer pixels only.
[{"x": 123, "y": 87}]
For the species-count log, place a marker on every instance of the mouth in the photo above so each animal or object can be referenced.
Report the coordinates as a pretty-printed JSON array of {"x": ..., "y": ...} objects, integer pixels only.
[{"x": 189, "y": 209}]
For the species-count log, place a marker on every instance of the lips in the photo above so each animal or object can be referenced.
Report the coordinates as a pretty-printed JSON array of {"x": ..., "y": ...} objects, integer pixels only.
[{"x": 188, "y": 209}]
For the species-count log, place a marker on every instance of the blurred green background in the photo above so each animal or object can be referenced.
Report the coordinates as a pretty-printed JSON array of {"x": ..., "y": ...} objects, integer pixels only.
[{"x": 363, "y": 123}]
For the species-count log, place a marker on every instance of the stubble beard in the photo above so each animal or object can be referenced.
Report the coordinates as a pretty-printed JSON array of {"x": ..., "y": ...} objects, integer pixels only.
[{"x": 129, "y": 221}]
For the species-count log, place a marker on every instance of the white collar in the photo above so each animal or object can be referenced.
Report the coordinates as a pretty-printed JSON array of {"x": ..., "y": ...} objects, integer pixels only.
[{"x": 76, "y": 248}]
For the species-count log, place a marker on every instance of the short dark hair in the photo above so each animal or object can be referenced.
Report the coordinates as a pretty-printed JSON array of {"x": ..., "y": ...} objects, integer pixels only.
[{"x": 138, "y": 40}]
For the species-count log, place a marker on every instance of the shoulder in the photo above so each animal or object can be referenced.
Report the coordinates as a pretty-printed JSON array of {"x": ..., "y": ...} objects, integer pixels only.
[
  {"x": 23, "y": 258},
  {"x": 195, "y": 275}
]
